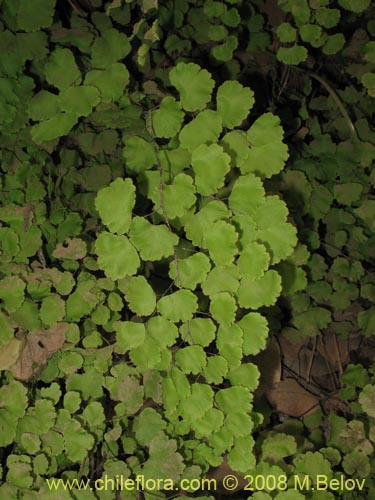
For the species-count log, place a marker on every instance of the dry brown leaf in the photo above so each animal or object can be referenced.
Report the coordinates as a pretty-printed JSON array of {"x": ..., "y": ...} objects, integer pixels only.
[
  {"x": 72, "y": 248},
  {"x": 269, "y": 364},
  {"x": 290, "y": 398},
  {"x": 219, "y": 473},
  {"x": 38, "y": 348},
  {"x": 291, "y": 342}
]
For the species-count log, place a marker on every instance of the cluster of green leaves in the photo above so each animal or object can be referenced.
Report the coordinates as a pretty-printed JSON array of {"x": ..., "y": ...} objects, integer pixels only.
[
  {"x": 215, "y": 29},
  {"x": 318, "y": 24},
  {"x": 218, "y": 243},
  {"x": 328, "y": 190}
]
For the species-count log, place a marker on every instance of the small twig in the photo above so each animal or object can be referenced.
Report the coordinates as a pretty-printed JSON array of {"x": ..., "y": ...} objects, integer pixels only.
[
  {"x": 311, "y": 360},
  {"x": 161, "y": 195},
  {"x": 284, "y": 81},
  {"x": 337, "y": 352},
  {"x": 76, "y": 8},
  {"x": 329, "y": 367},
  {"x": 339, "y": 104}
]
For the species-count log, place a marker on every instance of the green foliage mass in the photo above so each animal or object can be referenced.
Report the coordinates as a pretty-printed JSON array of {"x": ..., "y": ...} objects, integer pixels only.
[{"x": 157, "y": 226}]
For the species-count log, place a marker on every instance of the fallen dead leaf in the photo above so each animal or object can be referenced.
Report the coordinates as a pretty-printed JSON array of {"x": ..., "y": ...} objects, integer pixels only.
[
  {"x": 219, "y": 473},
  {"x": 38, "y": 348},
  {"x": 269, "y": 364},
  {"x": 290, "y": 398}
]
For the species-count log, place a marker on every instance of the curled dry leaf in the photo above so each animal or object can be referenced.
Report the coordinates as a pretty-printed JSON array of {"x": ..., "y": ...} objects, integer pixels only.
[
  {"x": 290, "y": 398},
  {"x": 38, "y": 347}
]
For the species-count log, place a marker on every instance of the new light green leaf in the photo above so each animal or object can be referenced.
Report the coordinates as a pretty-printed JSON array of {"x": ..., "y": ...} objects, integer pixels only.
[
  {"x": 163, "y": 462},
  {"x": 115, "y": 204},
  {"x": 238, "y": 424},
  {"x": 153, "y": 242},
  {"x": 279, "y": 240},
  {"x": 175, "y": 388},
  {"x": 111, "y": 81},
  {"x": 229, "y": 342},
  {"x": 278, "y": 445},
  {"x": 167, "y": 120},
  {"x": 263, "y": 291},
  {"x": 220, "y": 240},
  {"x": 176, "y": 198},
  {"x": 271, "y": 213},
  {"x": 312, "y": 34},
  {"x": 234, "y": 102},
  {"x": 147, "y": 425},
  {"x": 268, "y": 154},
  {"x": 163, "y": 331},
  {"x": 224, "y": 51},
  {"x": 12, "y": 292},
  {"x": 235, "y": 399},
  {"x": 32, "y": 16},
  {"x": 77, "y": 441},
  {"x": 178, "y": 306},
  {"x": 221, "y": 279},
  {"x": 211, "y": 422},
  {"x": 79, "y": 99},
  {"x": 247, "y": 195},
  {"x": 82, "y": 301},
  {"x": 216, "y": 369},
  {"x": 139, "y": 154},
  {"x": 194, "y": 84},
  {"x": 292, "y": 55},
  {"x": 198, "y": 331},
  {"x": 129, "y": 335},
  {"x": 286, "y": 32},
  {"x": 109, "y": 48},
  {"x": 223, "y": 307},
  {"x": 253, "y": 261},
  {"x": 204, "y": 128},
  {"x": 61, "y": 69},
  {"x": 197, "y": 224},
  {"x": 210, "y": 165},
  {"x": 247, "y": 374},
  {"x": 52, "y": 309},
  {"x": 255, "y": 332},
  {"x": 198, "y": 403},
  {"x": 146, "y": 356},
  {"x": 140, "y": 296},
  {"x": 116, "y": 255},
  {"x": 57, "y": 126},
  {"x": 240, "y": 457},
  {"x": 189, "y": 272},
  {"x": 235, "y": 143},
  {"x": 191, "y": 359}
]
